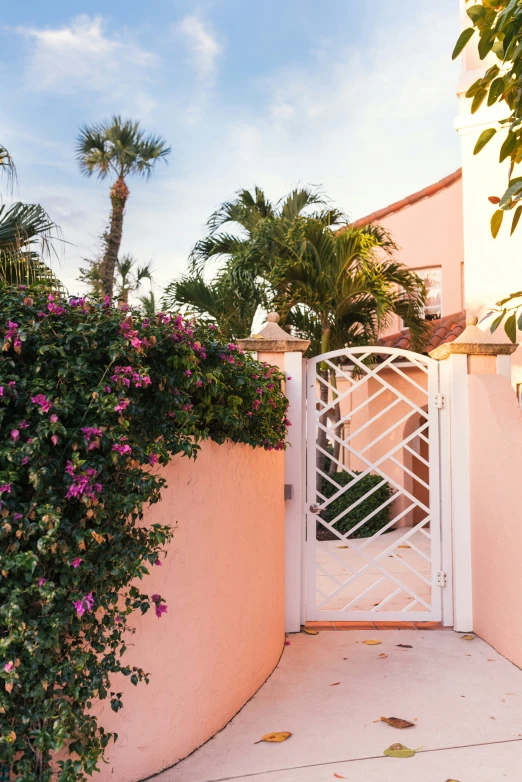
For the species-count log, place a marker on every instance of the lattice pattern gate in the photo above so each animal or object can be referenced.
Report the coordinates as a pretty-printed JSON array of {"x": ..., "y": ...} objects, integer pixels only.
[{"x": 373, "y": 547}]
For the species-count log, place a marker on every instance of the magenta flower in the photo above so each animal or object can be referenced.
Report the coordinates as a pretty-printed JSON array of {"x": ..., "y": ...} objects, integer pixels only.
[
  {"x": 80, "y": 608},
  {"x": 117, "y": 619},
  {"x": 53, "y": 418},
  {"x": 8, "y": 667},
  {"x": 6, "y": 487},
  {"x": 188, "y": 372},
  {"x": 15, "y": 434},
  {"x": 211, "y": 326},
  {"x": 76, "y": 562},
  {"x": 23, "y": 424},
  {"x": 158, "y": 562},
  {"x": 42, "y": 401},
  {"x": 155, "y": 598},
  {"x": 160, "y": 609},
  {"x": 152, "y": 459},
  {"x": 199, "y": 383},
  {"x": 121, "y": 449},
  {"x": 54, "y": 439},
  {"x": 25, "y": 460},
  {"x": 122, "y": 404},
  {"x": 85, "y": 604},
  {"x": 83, "y": 483},
  {"x": 42, "y": 581},
  {"x": 1, "y": 390}
]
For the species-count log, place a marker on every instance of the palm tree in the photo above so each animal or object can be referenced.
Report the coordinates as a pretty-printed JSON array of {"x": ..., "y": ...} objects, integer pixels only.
[
  {"x": 7, "y": 166},
  {"x": 131, "y": 276},
  {"x": 117, "y": 148},
  {"x": 252, "y": 221},
  {"x": 232, "y": 301},
  {"x": 342, "y": 289},
  {"x": 26, "y": 235},
  {"x": 148, "y": 303}
]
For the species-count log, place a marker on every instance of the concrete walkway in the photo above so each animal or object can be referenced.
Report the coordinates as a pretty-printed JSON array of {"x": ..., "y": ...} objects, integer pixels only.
[{"x": 464, "y": 698}]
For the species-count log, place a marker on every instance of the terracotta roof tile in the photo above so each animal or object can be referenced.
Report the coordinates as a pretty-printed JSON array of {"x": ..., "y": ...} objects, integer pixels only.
[{"x": 445, "y": 329}]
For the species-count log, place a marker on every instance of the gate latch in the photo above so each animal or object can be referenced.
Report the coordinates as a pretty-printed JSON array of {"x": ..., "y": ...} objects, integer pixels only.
[
  {"x": 439, "y": 400},
  {"x": 442, "y": 579}
]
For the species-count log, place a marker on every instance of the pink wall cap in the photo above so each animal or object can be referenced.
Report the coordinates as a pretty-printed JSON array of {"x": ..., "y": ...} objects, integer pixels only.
[
  {"x": 273, "y": 339},
  {"x": 474, "y": 342}
]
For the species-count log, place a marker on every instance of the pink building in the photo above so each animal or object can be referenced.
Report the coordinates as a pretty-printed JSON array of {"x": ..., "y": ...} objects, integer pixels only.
[{"x": 428, "y": 228}]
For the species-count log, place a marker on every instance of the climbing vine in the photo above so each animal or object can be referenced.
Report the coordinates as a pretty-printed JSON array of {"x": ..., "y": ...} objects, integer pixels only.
[{"x": 92, "y": 399}]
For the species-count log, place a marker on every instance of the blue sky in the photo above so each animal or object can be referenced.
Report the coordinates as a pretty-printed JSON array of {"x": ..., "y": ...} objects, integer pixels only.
[{"x": 355, "y": 96}]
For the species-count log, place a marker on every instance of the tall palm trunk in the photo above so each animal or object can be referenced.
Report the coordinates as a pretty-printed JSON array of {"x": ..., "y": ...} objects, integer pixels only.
[{"x": 119, "y": 195}]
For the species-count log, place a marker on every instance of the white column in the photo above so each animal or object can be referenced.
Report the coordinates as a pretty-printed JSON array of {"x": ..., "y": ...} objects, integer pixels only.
[
  {"x": 460, "y": 493},
  {"x": 294, "y": 475}
]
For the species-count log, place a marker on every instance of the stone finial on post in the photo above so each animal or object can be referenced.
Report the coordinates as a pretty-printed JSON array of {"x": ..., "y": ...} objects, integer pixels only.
[
  {"x": 486, "y": 354},
  {"x": 273, "y": 339},
  {"x": 278, "y": 347},
  {"x": 474, "y": 352}
]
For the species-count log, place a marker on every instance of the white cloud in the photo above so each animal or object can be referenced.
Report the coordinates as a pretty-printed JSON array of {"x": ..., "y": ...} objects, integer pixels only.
[
  {"x": 203, "y": 46},
  {"x": 83, "y": 56}
]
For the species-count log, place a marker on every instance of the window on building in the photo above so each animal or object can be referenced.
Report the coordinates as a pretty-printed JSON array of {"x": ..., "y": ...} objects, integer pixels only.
[{"x": 432, "y": 278}]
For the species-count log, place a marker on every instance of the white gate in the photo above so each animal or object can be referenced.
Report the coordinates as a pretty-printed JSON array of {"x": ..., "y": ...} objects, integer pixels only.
[{"x": 373, "y": 527}]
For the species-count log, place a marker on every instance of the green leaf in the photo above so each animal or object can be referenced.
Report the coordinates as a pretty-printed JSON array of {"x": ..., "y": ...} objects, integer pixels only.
[
  {"x": 496, "y": 323},
  {"x": 483, "y": 139},
  {"x": 462, "y": 41},
  {"x": 486, "y": 44},
  {"x": 496, "y": 222},
  {"x": 496, "y": 90},
  {"x": 400, "y": 751},
  {"x": 516, "y": 218},
  {"x": 508, "y": 146},
  {"x": 478, "y": 100},
  {"x": 513, "y": 190},
  {"x": 510, "y": 327},
  {"x": 476, "y": 12}
]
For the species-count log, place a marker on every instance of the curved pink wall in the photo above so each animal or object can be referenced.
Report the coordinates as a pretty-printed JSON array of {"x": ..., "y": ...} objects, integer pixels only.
[
  {"x": 496, "y": 509},
  {"x": 223, "y": 581}
]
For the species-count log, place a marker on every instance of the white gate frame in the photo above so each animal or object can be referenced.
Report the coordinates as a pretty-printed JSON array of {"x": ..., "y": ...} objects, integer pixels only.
[{"x": 440, "y": 492}]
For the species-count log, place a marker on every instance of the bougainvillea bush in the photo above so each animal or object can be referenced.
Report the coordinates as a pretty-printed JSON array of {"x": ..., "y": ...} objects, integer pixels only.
[{"x": 92, "y": 398}]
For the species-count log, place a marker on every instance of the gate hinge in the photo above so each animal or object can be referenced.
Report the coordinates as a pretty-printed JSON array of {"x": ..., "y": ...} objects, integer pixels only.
[
  {"x": 439, "y": 400},
  {"x": 442, "y": 579}
]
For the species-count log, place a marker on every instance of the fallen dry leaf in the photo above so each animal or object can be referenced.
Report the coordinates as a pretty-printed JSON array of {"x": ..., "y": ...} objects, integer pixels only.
[
  {"x": 382, "y": 656},
  {"x": 397, "y": 722},
  {"x": 490, "y": 660},
  {"x": 309, "y": 631},
  {"x": 452, "y": 780},
  {"x": 468, "y": 637},
  {"x": 338, "y": 776},
  {"x": 343, "y": 547},
  {"x": 403, "y": 546},
  {"x": 400, "y": 751},
  {"x": 405, "y": 646},
  {"x": 334, "y": 684},
  {"x": 372, "y": 643},
  {"x": 274, "y": 737},
  {"x": 287, "y": 643}
]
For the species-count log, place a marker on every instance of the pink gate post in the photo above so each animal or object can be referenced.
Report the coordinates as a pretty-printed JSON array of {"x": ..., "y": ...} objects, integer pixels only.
[{"x": 278, "y": 347}]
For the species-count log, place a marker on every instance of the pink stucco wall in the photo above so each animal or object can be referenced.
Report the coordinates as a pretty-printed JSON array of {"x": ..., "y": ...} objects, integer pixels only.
[
  {"x": 223, "y": 581},
  {"x": 496, "y": 502},
  {"x": 430, "y": 233}
]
